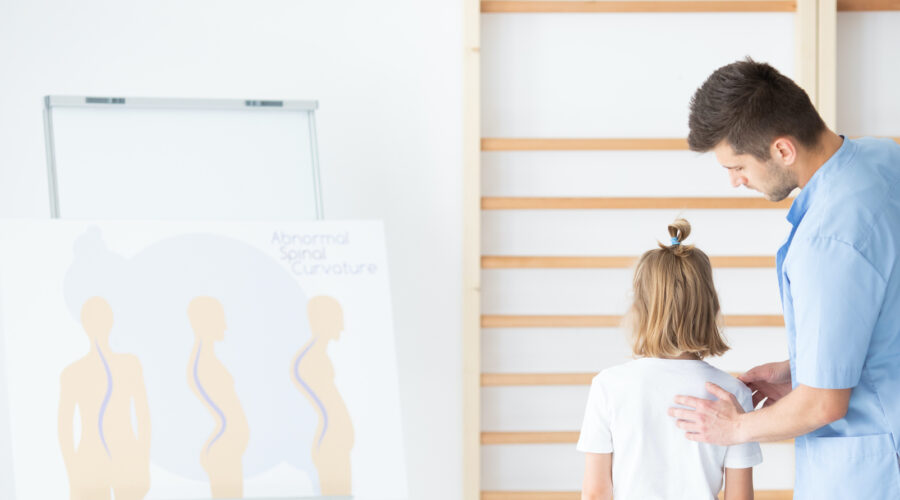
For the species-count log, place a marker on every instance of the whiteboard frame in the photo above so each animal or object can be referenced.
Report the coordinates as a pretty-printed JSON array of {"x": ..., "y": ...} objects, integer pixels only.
[{"x": 98, "y": 102}]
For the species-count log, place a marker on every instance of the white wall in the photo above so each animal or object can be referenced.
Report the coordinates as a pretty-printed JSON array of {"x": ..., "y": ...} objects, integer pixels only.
[
  {"x": 388, "y": 78},
  {"x": 868, "y": 75}
]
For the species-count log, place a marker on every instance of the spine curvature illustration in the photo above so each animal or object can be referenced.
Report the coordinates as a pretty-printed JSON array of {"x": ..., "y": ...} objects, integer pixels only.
[
  {"x": 106, "y": 398},
  {"x": 311, "y": 393},
  {"x": 208, "y": 399}
]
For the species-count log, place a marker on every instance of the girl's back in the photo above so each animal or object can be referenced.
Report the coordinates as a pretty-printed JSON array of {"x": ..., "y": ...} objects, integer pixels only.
[
  {"x": 634, "y": 450},
  {"x": 626, "y": 415}
]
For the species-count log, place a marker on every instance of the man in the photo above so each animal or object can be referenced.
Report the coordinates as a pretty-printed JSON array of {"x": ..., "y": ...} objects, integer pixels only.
[{"x": 839, "y": 275}]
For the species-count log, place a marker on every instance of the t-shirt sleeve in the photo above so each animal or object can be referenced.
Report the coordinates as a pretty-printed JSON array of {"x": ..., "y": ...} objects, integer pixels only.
[
  {"x": 837, "y": 296},
  {"x": 595, "y": 432},
  {"x": 744, "y": 455}
]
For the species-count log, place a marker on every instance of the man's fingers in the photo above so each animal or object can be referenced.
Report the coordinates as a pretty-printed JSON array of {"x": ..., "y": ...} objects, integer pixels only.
[
  {"x": 691, "y": 401},
  {"x": 751, "y": 375},
  {"x": 756, "y": 374},
  {"x": 757, "y": 398},
  {"x": 682, "y": 414},
  {"x": 719, "y": 392},
  {"x": 768, "y": 390},
  {"x": 687, "y": 425}
]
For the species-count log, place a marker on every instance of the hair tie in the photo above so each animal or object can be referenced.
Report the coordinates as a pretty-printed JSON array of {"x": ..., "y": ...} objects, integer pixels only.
[{"x": 675, "y": 241}]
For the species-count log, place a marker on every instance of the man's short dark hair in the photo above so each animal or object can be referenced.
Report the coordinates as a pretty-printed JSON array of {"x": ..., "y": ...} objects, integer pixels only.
[{"x": 748, "y": 104}]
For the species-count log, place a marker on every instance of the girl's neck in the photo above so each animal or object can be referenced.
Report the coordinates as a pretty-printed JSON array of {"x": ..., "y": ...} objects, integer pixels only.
[{"x": 686, "y": 355}]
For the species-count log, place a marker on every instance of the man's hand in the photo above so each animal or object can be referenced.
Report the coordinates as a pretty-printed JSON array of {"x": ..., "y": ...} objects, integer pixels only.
[
  {"x": 769, "y": 382},
  {"x": 716, "y": 422}
]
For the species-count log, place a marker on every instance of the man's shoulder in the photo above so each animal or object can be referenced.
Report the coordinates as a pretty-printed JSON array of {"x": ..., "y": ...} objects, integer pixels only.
[
  {"x": 857, "y": 198},
  {"x": 877, "y": 144},
  {"x": 859, "y": 220},
  {"x": 869, "y": 175}
]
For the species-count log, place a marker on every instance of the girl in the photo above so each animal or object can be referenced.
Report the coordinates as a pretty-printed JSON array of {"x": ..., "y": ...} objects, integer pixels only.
[{"x": 674, "y": 326}]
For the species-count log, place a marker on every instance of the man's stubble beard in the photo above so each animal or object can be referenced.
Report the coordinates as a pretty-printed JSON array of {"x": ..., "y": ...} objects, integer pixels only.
[{"x": 781, "y": 182}]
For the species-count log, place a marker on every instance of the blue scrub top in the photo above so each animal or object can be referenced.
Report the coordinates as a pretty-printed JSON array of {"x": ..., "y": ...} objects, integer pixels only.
[{"x": 840, "y": 290}]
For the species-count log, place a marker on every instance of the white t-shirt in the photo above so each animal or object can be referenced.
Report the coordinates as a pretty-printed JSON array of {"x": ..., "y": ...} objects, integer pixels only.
[{"x": 652, "y": 459}]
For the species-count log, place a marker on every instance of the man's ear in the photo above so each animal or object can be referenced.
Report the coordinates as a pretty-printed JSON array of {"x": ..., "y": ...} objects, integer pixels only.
[{"x": 784, "y": 150}]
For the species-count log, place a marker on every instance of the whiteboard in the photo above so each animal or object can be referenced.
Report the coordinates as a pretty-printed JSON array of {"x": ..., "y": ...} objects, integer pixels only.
[{"x": 164, "y": 159}]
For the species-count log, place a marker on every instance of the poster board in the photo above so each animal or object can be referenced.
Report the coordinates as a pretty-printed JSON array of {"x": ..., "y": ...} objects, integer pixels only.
[{"x": 268, "y": 346}]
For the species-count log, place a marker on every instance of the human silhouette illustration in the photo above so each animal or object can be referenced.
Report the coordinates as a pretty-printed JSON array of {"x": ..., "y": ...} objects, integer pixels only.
[
  {"x": 222, "y": 453},
  {"x": 313, "y": 375},
  {"x": 111, "y": 457}
]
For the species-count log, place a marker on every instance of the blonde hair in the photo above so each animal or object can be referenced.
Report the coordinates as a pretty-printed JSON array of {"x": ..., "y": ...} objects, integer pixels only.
[{"x": 675, "y": 309}]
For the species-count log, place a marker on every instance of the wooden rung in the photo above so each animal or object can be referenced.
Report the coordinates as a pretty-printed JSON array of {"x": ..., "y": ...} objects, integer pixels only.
[
  {"x": 533, "y": 262},
  {"x": 598, "y": 321},
  {"x": 503, "y": 144},
  {"x": 576, "y": 495},
  {"x": 609, "y": 321},
  {"x": 768, "y": 495},
  {"x": 546, "y": 437},
  {"x": 700, "y": 203},
  {"x": 529, "y": 437},
  {"x": 630, "y": 144},
  {"x": 533, "y": 379},
  {"x": 523, "y": 262},
  {"x": 863, "y": 5},
  {"x": 516, "y": 379},
  {"x": 508, "y": 7},
  {"x": 530, "y": 495},
  {"x": 751, "y": 320}
]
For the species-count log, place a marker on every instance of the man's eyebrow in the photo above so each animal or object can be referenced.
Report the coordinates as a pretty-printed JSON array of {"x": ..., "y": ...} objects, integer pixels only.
[{"x": 729, "y": 167}]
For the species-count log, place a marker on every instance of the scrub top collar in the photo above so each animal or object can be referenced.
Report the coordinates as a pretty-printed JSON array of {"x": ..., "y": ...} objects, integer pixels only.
[{"x": 804, "y": 199}]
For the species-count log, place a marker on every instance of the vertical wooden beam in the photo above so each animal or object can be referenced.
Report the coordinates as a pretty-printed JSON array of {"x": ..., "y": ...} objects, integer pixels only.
[
  {"x": 827, "y": 62},
  {"x": 471, "y": 299},
  {"x": 806, "y": 55}
]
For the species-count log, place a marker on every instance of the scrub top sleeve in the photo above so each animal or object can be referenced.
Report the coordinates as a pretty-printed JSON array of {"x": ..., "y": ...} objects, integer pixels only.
[
  {"x": 837, "y": 296},
  {"x": 744, "y": 455},
  {"x": 595, "y": 432}
]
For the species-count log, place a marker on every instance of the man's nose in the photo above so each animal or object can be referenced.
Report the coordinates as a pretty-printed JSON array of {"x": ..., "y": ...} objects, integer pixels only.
[{"x": 736, "y": 180}]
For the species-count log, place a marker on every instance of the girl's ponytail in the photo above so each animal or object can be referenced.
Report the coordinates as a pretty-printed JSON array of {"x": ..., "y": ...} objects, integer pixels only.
[{"x": 679, "y": 230}]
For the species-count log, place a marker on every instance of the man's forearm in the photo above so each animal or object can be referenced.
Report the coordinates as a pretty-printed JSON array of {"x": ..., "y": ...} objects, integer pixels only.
[{"x": 803, "y": 410}]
